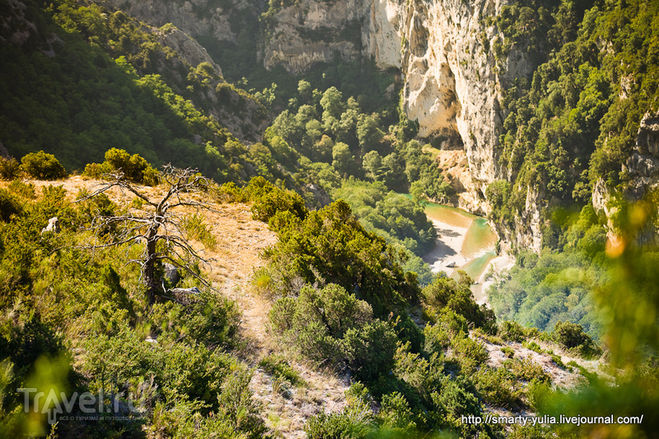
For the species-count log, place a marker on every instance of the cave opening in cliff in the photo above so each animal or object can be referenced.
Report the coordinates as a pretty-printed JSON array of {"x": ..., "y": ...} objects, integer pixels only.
[{"x": 447, "y": 108}]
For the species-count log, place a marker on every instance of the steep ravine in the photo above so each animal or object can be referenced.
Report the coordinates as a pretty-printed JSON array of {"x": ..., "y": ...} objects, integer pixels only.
[{"x": 451, "y": 82}]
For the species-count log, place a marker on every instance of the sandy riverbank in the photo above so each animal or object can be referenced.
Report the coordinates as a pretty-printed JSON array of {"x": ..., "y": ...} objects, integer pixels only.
[{"x": 448, "y": 256}]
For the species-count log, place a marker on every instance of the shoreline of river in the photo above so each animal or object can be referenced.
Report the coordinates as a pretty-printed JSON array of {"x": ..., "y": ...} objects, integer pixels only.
[{"x": 448, "y": 255}]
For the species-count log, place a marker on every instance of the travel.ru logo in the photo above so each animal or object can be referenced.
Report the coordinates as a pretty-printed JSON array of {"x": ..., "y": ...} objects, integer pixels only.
[{"x": 79, "y": 406}]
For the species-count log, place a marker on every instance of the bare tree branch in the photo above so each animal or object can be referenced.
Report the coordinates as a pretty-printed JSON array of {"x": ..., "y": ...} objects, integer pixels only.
[{"x": 160, "y": 229}]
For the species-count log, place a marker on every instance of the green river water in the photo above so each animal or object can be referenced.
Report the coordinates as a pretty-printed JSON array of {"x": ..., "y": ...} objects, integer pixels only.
[{"x": 479, "y": 243}]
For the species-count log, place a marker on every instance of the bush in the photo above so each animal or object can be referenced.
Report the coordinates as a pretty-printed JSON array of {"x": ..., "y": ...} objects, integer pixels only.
[
  {"x": 533, "y": 346},
  {"x": 511, "y": 331},
  {"x": 572, "y": 337},
  {"x": 508, "y": 351},
  {"x": 332, "y": 326},
  {"x": 497, "y": 388},
  {"x": 268, "y": 200},
  {"x": 9, "y": 168},
  {"x": 22, "y": 189},
  {"x": 9, "y": 205},
  {"x": 448, "y": 293},
  {"x": 469, "y": 353},
  {"x": 134, "y": 167},
  {"x": 335, "y": 426},
  {"x": 370, "y": 350},
  {"x": 526, "y": 370},
  {"x": 395, "y": 412},
  {"x": 278, "y": 367},
  {"x": 196, "y": 228},
  {"x": 438, "y": 336},
  {"x": 209, "y": 318},
  {"x": 330, "y": 246},
  {"x": 42, "y": 166}
]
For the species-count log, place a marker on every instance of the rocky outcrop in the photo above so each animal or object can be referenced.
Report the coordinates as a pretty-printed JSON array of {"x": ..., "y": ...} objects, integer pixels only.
[
  {"x": 451, "y": 81},
  {"x": 642, "y": 174},
  {"x": 312, "y": 31},
  {"x": 195, "y": 17},
  {"x": 642, "y": 167},
  {"x": 187, "y": 47}
]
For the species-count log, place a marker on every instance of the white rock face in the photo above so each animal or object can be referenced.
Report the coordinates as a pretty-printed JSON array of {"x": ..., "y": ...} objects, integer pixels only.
[
  {"x": 313, "y": 31},
  {"x": 184, "y": 14},
  {"x": 451, "y": 83},
  {"x": 381, "y": 36}
]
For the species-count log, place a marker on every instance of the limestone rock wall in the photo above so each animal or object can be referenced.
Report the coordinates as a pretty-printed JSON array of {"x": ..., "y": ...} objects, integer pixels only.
[
  {"x": 195, "y": 17},
  {"x": 452, "y": 85},
  {"x": 312, "y": 31}
]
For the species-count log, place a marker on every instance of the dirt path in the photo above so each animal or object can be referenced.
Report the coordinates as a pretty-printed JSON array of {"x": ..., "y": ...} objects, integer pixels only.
[{"x": 240, "y": 241}]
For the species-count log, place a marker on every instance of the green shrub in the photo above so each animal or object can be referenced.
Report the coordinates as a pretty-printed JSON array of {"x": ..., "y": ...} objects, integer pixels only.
[
  {"x": 268, "y": 200},
  {"x": 331, "y": 326},
  {"x": 511, "y": 331},
  {"x": 278, "y": 367},
  {"x": 97, "y": 170},
  {"x": 134, "y": 167},
  {"x": 395, "y": 412},
  {"x": 236, "y": 403},
  {"x": 572, "y": 337},
  {"x": 497, "y": 388},
  {"x": 526, "y": 370},
  {"x": 187, "y": 419},
  {"x": 9, "y": 168},
  {"x": 370, "y": 350},
  {"x": 209, "y": 318},
  {"x": 42, "y": 166},
  {"x": 449, "y": 325},
  {"x": 9, "y": 205},
  {"x": 335, "y": 426},
  {"x": 508, "y": 351},
  {"x": 455, "y": 399},
  {"x": 445, "y": 292},
  {"x": 22, "y": 189},
  {"x": 469, "y": 353},
  {"x": 196, "y": 228},
  {"x": 329, "y": 245},
  {"x": 533, "y": 346}
]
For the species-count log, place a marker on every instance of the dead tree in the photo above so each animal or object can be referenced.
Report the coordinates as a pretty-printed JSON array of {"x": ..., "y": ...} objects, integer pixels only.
[{"x": 159, "y": 228}]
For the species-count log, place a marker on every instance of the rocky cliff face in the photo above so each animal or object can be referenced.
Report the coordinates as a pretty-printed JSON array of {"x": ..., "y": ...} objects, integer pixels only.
[
  {"x": 187, "y": 47},
  {"x": 642, "y": 166},
  {"x": 642, "y": 169},
  {"x": 196, "y": 18},
  {"x": 312, "y": 31},
  {"x": 451, "y": 83}
]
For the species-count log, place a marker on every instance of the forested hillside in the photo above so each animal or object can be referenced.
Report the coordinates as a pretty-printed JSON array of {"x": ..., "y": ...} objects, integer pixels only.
[{"x": 216, "y": 214}]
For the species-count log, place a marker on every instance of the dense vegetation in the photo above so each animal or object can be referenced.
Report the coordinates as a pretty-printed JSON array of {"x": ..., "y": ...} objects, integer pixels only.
[
  {"x": 574, "y": 122},
  {"x": 90, "y": 77},
  {"x": 571, "y": 125},
  {"x": 555, "y": 285}
]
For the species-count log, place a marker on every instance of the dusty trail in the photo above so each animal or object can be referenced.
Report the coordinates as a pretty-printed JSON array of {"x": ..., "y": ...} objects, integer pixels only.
[{"x": 240, "y": 241}]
